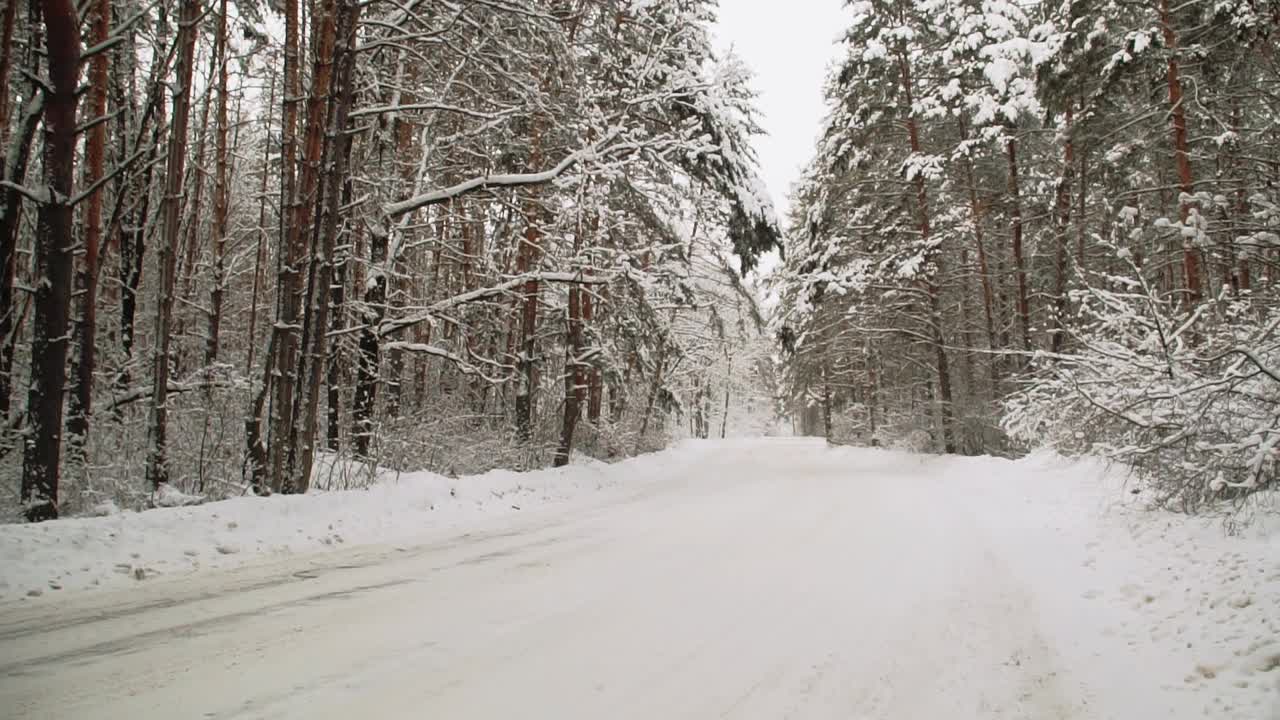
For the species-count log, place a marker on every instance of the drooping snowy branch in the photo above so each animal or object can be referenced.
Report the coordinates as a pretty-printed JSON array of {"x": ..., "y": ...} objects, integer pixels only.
[{"x": 487, "y": 182}]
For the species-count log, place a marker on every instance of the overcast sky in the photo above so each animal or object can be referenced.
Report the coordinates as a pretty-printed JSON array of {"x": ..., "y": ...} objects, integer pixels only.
[{"x": 788, "y": 44}]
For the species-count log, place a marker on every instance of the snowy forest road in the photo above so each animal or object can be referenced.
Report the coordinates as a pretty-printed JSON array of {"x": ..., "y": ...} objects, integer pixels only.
[{"x": 768, "y": 579}]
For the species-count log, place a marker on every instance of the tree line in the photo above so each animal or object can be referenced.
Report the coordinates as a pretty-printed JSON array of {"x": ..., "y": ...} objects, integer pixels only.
[{"x": 1047, "y": 223}]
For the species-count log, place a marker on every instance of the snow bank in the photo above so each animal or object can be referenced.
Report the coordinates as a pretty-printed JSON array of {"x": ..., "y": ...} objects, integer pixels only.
[
  {"x": 1193, "y": 600},
  {"x": 129, "y": 547}
]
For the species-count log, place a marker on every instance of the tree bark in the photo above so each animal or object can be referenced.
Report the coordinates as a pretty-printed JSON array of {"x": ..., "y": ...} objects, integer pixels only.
[
  {"x": 984, "y": 267},
  {"x": 81, "y": 401},
  {"x": 375, "y": 301},
  {"x": 595, "y": 387},
  {"x": 15, "y": 171},
  {"x": 281, "y": 365},
  {"x": 1181, "y": 152},
  {"x": 175, "y": 168},
  {"x": 221, "y": 195},
  {"x": 193, "y": 203},
  {"x": 654, "y": 389},
  {"x": 17, "y": 158},
  {"x": 337, "y": 322},
  {"x": 574, "y": 381},
  {"x": 260, "y": 255},
  {"x": 1019, "y": 262},
  {"x": 1061, "y": 249},
  {"x": 728, "y": 388},
  {"x": 827, "y": 431},
  {"x": 530, "y": 252},
  {"x": 133, "y": 233},
  {"x": 8, "y": 251},
  {"x": 873, "y": 396},
  {"x": 42, "y": 449},
  {"x": 335, "y": 54},
  {"x": 333, "y": 379},
  {"x": 1082, "y": 176},
  {"x": 930, "y": 286},
  {"x": 528, "y": 336},
  {"x": 575, "y": 371},
  {"x": 1244, "y": 274},
  {"x": 8, "y": 19}
]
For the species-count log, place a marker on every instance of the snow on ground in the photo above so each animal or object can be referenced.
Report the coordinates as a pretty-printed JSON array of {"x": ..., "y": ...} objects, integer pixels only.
[
  {"x": 1177, "y": 598},
  {"x": 751, "y": 579},
  {"x": 124, "y": 548}
]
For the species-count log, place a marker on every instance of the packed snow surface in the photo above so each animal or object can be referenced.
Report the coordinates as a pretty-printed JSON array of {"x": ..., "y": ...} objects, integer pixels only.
[{"x": 761, "y": 579}]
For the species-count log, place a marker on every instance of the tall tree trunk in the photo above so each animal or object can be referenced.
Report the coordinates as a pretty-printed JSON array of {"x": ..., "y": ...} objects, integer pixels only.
[
  {"x": 15, "y": 172},
  {"x": 1019, "y": 261},
  {"x": 873, "y": 395},
  {"x": 1244, "y": 274},
  {"x": 260, "y": 255},
  {"x": 338, "y": 320},
  {"x": 133, "y": 235},
  {"x": 281, "y": 365},
  {"x": 473, "y": 235},
  {"x": 193, "y": 204},
  {"x": 654, "y": 388},
  {"x": 221, "y": 195},
  {"x": 81, "y": 401},
  {"x": 1082, "y": 176},
  {"x": 527, "y": 261},
  {"x": 396, "y": 292},
  {"x": 529, "y": 253},
  {"x": 333, "y": 379},
  {"x": 42, "y": 450},
  {"x": 175, "y": 168},
  {"x": 8, "y": 19},
  {"x": 8, "y": 251},
  {"x": 1062, "y": 249},
  {"x": 595, "y": 388},
  {"x": 368, "y": 358},
  {"x": 398, "y": 282},
  {"x": 618, "y": 392},
  {"x": 827, "y": 431},
  {"x": 984, "y": 267},
  {"x": 17, "y": 157},
  {"x": 257, "y": 457},
  {"x": 968, "y": 362},
  {"x": 575, "y": 371},
  {"x": 931, "y": 287},
  {"x": 336, "y": 50},
  {"x": 573, "y": 377},
  {"x": 728, "y": 388},
  {"x": 1181, "y": 152}
]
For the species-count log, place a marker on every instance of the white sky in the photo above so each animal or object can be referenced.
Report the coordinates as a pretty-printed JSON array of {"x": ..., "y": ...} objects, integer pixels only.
[{"x": 788, "y": 45}]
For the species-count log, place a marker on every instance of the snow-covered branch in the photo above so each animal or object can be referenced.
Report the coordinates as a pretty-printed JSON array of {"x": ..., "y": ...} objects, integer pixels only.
[{"x": 487, "y": 182}]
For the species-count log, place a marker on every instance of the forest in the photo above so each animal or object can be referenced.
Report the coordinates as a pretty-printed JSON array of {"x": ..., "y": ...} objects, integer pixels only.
[
  {"x": 1047, "y": 224},
  {"x": 447, "y": 235},
  {"x": 244, "y": 240}
]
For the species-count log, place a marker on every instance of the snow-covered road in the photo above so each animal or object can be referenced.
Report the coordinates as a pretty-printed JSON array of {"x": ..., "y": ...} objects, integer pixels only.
[{"x": 768, "y": 579}]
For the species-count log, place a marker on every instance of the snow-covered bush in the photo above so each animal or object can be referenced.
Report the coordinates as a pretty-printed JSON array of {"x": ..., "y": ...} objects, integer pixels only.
[
  {"x": 1191, "y": 401},
  {"x": 915, "y": 441}
]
